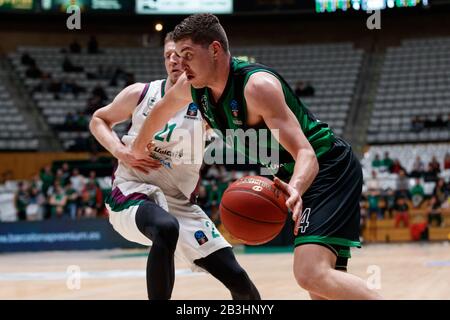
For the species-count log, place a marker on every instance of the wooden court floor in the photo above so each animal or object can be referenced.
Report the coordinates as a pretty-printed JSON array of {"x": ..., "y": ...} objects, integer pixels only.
[{"x": 402, "y": 271}]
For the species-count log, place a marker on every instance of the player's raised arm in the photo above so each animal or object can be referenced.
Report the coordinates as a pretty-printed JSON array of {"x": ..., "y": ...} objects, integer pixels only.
[
  {"x": 265, "y": 99},
  {"x": 175, "y": 99},
  {"x": 121, "y": 109}
]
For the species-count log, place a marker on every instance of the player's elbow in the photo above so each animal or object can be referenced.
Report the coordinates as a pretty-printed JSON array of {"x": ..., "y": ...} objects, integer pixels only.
[
  {"x": 308, "y": 155},
  {"x": 94, "y": 123}
]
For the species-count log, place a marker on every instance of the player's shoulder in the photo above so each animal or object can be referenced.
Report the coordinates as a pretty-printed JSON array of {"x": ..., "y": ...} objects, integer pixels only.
[
  {"x": 135, "y": 89},
  {"x": 139, "y": 89},
  {"x": 261, "y": 82}
]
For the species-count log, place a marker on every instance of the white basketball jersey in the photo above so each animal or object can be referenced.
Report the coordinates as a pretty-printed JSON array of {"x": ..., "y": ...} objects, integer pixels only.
[{"x": 179, "y": 146}]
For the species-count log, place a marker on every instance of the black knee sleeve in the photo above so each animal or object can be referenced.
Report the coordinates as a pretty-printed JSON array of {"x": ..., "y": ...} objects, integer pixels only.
[
  {"x": 158, "y": 225},
  {"x": 223, "y": 265},
  {"x": 163, "y": 229}
]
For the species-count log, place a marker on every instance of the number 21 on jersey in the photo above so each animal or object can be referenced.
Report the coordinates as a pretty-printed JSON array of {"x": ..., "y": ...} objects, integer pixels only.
[{"x": 168, "y": 129}]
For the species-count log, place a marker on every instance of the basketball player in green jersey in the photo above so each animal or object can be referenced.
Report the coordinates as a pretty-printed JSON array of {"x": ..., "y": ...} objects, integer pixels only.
[{"x": 317, "y": 170}]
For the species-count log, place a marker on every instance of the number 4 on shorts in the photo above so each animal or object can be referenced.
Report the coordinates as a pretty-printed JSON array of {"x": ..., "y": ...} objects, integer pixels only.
[{"x": 304, "y": 222}]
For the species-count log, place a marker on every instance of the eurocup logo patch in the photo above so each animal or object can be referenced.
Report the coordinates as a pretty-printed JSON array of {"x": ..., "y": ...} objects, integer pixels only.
[
  {"x": 235, "y": 112},
  {"x": 234, "y": 108},
  {"x": 201, "y": 237},
  {"x": 192, "y": 110}
]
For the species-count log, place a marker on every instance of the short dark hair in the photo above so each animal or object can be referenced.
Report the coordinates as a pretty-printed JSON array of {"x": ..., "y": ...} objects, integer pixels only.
[
  {"x": 169, "y": 37},
  {"x": 202, "y": 29}
]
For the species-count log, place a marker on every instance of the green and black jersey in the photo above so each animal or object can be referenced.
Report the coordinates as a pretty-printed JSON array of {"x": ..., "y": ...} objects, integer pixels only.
[
  {"x": 230, "y": 112},
  {"x": 331, "y": 213}
]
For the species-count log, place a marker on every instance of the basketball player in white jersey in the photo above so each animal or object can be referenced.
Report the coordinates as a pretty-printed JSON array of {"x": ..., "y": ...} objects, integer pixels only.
[{"x": 150, "y": 199}]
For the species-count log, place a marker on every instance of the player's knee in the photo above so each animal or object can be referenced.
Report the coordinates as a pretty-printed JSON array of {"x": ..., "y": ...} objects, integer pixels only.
[
  {"x": 309, "y": 277},
  {"x": 168, "y": 231}
]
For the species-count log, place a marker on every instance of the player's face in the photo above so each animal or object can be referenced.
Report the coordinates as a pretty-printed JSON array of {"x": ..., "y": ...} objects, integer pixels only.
[
  {"x": 172, "y": 62},
  {"x": 197, "y": 61}
]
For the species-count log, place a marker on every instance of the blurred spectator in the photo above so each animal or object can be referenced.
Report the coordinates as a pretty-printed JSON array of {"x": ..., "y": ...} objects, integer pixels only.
[
  {"x": 377, "y": 163},
  {"x": 417, "y": 124},
  {"x": 68, "y": 66},
  {"x": 97, "y": 99},
  {"x": 397, "y": 167},
  {"x": 214, "y": 195},
  {"x": 447, "y": 161},
  {"x": 70, "y": 86},
  {"x": 81, "y": 121},
  {"x": 364, "y": 216},
  {"x": 373, "y": 184},
  {"x": 92, "y": 45},
  {"x": 430, "y": 174},
  {"x": 27, "y": 60},
  {"x": 418, "y": 168},
  {"x": 435, "y": 165},
  {"x": 389, "y": 200},
  {"x": 440, "y": 191},
  {"x": 36, "y": 182},
  {"x": 417, "y": 194},
  {"x": 55, "y": 87},
  {"x": 118, "y": 74},
  {"x": 72, "y": 200},
  {"x": 446, "y": 204},
  {"x": 439, "y": 123},
  {"x": 45, "y": 85},
  {"x": 35, "y": 207},
  {"x": 434, "y": 212},
  {"x": 91, "y": 199},
  {"x": 33, "y": 72},
  {"x": 21, "y": 200},
  {"x": 374, "y": 208},
  {"x": 100, "y": 91},
  {"x": 47, "y": 178},
  {"x": 402, "y": 185},
  {"x": 57, "y": 201},
  {"x": 75, "y": 47},
  {"x": 69, "y": 121},
  {"x": 387, "y": 162},
  {"x": 214, "y": 172},
  {"x": 401, "y": 210},
  {"x": 103, "y": 73},
  {"x": 427, "y": 123},
  {"x": 66, "y": 173},
  {"x": 59, "y": 177},
  {"x": 77, "y": 180},
  {"x": 303, "y": 89},
  {"x": 129, "y": 79},
  {"x": 202, "y": 200}
]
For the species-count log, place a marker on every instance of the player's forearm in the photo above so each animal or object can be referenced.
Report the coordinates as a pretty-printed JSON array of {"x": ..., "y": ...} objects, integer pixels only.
[
  {"x": 305, "y": 170},
  {"x": 155, "y": 121},
  {"x": 105, "y": 135}
]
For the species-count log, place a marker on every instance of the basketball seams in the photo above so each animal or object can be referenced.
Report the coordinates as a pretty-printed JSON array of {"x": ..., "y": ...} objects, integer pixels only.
[
  {"x": 242, "y": 216},
  {"x": 256, "y": 194},
  {"x": 254, "y": 241}
]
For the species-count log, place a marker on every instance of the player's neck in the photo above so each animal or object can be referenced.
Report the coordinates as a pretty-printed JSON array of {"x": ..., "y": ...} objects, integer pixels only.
[
  {"x": 169, "y": 84},
  {"x": 220, "y": 80}
]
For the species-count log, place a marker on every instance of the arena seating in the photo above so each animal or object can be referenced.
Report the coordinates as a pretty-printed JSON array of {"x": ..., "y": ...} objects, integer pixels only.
[
  {"x": 414, "y": 82},
  {"x": 332, "y": 69},
  {"x": 406, "y": 154},
  {"x": 14, "y": 133}
]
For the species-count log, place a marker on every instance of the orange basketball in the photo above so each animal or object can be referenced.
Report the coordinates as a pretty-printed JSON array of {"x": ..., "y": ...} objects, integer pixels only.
[{"x": 253, "y": 210}]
